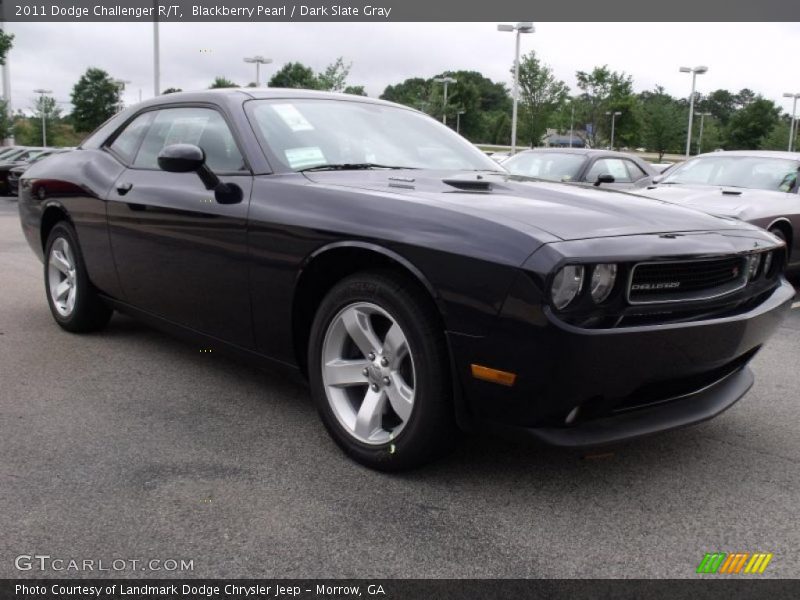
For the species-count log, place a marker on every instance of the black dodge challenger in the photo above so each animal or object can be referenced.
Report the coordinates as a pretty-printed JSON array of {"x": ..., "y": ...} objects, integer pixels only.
[{"x": 419, "y": 287}]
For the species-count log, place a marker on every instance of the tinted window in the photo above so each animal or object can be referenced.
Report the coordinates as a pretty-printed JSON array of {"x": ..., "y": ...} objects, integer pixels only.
[
  {"x": 609, "y": 166},
  {"x": 126, "y": 143},
  {"x": 202, "y": 127},
  {"x": 552, "y": 166}
]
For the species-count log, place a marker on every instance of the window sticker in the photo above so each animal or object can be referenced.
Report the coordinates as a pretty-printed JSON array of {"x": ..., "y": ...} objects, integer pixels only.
[
  {"x": 292, "y": 117},
  {"x": 308, "y": 156}
]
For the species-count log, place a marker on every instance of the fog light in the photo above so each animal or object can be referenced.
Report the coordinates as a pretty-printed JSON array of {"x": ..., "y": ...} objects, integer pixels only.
[
  {"x": 566, "y": 285},
  {"x": 603, "y": 278}
]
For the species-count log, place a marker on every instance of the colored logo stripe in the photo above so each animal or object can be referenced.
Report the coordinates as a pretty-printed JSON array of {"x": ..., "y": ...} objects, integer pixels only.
[{"x": 733, "y": 563}]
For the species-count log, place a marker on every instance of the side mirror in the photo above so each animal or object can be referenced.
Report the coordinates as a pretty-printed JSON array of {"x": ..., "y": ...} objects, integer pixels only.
[
  {"x": 188, "y": 158},
  {"x": 181, "y": 158},
  {"x": 658, "y": 178},
  {"x": 604, "y": 178}
]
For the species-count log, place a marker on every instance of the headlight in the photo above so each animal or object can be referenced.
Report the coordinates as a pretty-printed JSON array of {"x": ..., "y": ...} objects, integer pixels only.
[
  {"x": 753, "y": 262},
  {"x": 768, "y": 262},
  {"x": 566, "y": 285},
  {"x": 603, "y": 278}
]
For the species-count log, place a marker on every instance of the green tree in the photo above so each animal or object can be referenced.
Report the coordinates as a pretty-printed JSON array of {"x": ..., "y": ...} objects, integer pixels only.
[
  {"x": 720, "y": 103},
  {"x": 294, "y": 75},
  {"x": 222, "y": 82},
  {"x": 414, "y": 92},
  {"x": 6, "y": 122},
  {"x": 662, "y": 118},
  {"x": 541, "y": 95},
  {"x": 603, "y": 91},
  {"x": 355, "y": 90},
  {"x": 778, "y": 138},
  {"x": 334, "y": 77},
  {"x": 95, "y": 98},
  {"x": 6, "y": 42},
  {"x": 751, "y": 124},
  {"x": 45, "y": 106}
]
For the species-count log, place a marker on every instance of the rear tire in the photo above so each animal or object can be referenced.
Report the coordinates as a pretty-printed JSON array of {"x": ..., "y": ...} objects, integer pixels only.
[
  {"x": 73, "y": 300},
  {"x": 379, "y": 372}
]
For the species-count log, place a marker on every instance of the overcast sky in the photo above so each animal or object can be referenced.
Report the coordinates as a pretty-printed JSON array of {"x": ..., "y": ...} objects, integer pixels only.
[{"x": 761, "y": 56}]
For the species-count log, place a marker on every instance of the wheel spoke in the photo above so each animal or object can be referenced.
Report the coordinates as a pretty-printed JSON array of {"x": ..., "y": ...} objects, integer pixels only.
[
  {"x": 401, "y": 397},
  {"x": 71, "y": 299},
  {"x": 58, "y": 261},
  {"x": 341, "y": 372},
  {"x": 370, "y": 413},
  {"x": 62, "y": 288},
  {"x": 395, "y": 345},
  {"x": 359, "y": 328}
]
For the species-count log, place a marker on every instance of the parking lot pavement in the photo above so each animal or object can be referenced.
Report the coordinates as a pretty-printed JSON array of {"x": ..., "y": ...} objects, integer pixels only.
[{"x": 130, "y": 444}]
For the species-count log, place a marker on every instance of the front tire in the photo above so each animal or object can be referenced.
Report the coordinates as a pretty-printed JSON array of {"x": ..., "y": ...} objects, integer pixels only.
[
  {"x": 379, "y": 373},
  {"x": 73, "y": 301}
]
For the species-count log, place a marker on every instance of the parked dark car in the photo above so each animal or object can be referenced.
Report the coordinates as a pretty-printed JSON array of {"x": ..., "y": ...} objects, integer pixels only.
[
  {"x": 419, "y": 287},
  {"x": 15, "y": 172},
  {"x": 757, "y": 186},
  {"x": 7, "y": 164},
  {"x": 616, "y": 170}
]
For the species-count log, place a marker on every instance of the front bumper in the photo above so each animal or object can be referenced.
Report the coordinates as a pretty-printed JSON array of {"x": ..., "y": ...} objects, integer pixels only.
[{"x": 625, "y": 382}]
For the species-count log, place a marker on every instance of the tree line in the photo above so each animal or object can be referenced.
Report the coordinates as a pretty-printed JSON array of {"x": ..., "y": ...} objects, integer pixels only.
[{"x": 651, "y": 119}]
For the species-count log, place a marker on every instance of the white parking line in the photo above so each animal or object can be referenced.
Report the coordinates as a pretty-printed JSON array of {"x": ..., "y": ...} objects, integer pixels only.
[{"x": 796, "y": 305}]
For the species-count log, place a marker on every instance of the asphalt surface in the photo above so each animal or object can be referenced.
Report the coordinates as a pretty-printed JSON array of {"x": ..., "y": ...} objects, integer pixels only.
[{"x": 129, "y": 444}]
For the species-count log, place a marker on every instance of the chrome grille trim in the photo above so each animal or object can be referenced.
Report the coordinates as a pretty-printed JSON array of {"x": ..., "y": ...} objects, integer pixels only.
[{"x": 697, "y": 296}]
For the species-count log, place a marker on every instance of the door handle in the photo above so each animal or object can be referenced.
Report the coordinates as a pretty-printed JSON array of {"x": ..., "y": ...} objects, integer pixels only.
[{"x": 124, "y": 188}]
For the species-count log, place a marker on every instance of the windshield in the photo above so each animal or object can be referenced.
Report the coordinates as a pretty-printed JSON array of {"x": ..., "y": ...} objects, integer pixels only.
[
  {"x": 752, "y": 172},
  {"x": 553, "y": 166},
  {"x": 307, "y": 133}
]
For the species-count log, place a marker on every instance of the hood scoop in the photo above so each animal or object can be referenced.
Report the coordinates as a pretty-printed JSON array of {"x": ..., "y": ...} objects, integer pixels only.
[{"x": 469, "y": 185}]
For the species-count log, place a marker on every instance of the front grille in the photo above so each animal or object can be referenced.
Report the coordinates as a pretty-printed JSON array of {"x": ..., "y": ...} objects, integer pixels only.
[{"x": 686, "y": 280}]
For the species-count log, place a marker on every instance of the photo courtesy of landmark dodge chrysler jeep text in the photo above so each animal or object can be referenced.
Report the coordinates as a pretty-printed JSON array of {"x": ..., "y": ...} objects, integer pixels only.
[{"x": 419, "y": 286}]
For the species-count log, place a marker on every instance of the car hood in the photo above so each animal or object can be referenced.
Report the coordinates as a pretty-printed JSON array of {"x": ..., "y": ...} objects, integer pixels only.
[
  {"x": 718, "y": 200},
  {"x": 566, "y": 211}
]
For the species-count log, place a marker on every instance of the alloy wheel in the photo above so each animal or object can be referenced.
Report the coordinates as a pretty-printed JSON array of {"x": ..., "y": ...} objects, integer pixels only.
[
  {"x": 368, "y": 373},
  {"x": 62, "y": 277}
]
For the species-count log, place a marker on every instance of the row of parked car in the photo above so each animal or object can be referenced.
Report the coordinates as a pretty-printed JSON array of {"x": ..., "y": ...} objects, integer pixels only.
[
  {"x": 760, "y": 187},
  {"x": 14, "y": 160}
]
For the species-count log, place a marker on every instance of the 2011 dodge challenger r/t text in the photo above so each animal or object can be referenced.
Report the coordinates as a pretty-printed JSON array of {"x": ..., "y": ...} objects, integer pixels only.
[{"x": 420, "y": 287}]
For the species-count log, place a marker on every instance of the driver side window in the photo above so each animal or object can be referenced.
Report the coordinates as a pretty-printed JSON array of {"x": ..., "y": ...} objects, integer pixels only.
[
  {"x": 609, "y": 166},
  {"x": 202, "y": 127}
]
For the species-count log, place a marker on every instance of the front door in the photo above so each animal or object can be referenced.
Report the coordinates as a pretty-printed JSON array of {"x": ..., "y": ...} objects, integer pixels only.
[{"x": 181, "y": 255}]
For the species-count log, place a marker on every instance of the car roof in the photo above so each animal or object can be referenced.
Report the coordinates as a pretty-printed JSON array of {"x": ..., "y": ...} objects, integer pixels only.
[
  {"x": 755, "y": 154},
  {"x": 263, "y": 93},
  {"x": 581, "y": 151}
]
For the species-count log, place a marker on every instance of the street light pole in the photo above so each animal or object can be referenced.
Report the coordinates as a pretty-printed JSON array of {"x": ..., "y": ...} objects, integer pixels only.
[
  {"x": 519, "y": 28},
  {"x": 258, "y": 60},
  {"x": 695, "y": 72},
  {"x": 703, "y": 115},
  {"x": 156, "y": 53},
  {"x": 793, "y": 126},
  {"x": 43, "y": 108},
  {"x": 571, "y": 124},
  {"x": 614, "y": 116},
  {"x": 445, "y": 81},
  {"x": 458, "y": 120}
]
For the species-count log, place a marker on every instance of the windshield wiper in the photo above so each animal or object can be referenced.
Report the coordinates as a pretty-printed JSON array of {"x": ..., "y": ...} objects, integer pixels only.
[{"x": 350, "y": 167}]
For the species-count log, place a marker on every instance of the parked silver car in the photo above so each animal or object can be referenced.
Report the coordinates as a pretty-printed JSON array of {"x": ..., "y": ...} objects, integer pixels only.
[
  {"x": 757, "y": 186},
  {"x": 616, "y": 170}
]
